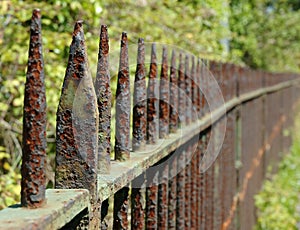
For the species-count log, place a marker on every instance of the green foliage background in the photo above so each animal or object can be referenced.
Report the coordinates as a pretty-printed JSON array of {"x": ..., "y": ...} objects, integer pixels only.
[{"x": 259, "y": 33}]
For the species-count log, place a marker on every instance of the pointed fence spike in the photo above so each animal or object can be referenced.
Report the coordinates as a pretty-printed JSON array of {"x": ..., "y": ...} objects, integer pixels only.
[
  {"x": 181, "y": 95},
  {"x": 164, "y": 97},
  {"x": 194, "y": 90},
  {"x": 103, "y": 92},
  {"x": 152, "y": 100},
  {"x": 139, "y": 100},
  {"x": 173, "y": 95},
  {"x": 122, "y": 142},
  {"x": 77, "y": 126},
  {"x": 188, "y": 91},
  {"x": 33, "y": 182}
]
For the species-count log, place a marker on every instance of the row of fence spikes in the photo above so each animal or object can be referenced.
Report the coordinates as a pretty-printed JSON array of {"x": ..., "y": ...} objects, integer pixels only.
[{"x": 81, "y": 145}]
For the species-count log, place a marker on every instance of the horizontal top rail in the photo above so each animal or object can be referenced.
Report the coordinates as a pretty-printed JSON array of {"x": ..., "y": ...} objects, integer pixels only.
[
  {"x": 123, "y": 173},
  {"x": 62, "y": 206}
]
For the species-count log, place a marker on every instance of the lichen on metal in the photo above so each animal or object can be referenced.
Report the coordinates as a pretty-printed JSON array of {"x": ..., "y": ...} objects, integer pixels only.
[
  {"x": 33, "y": 182},
  {"x": 152, "y": 100},
  {"x": 164, "y": 95},
  {"x": 62, "y": 207},
  {"x": 123, "y": 105},
  {"x": 173, "y": 114},
  {"x": 103, "y": 93},
  {"x": 139, "y": 101},
  {"x": 77, "y": 125}
]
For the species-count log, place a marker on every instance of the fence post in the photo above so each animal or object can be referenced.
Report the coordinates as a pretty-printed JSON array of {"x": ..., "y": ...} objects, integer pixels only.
[
  {"x": 34, "y": 122},
  {"x": 77, "y": 127}
]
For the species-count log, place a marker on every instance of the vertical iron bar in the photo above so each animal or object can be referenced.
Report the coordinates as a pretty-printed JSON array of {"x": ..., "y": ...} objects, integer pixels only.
[
  {"x": 172, "y": 192},
  {"x": 193, "y": 193},
  {"x": 33, "y": 182},
  {"x": 139, "y": 100},
  {"x": 164, "y": 97},
  {"x": 77, "y": 126},
  {"x": 121, "y": 209},
  {"x": 180, "y": 199},
  {"x": 151, "y": 199},
  {"x": 173, "y": 95},
  {"x": 187, "y": 187},
  {"x": 103, "y": 92},
  {"x": 188, "y": 92},
  {"x": 163, "y": 196},
  {"x": 104, "y": 211},
  {"x": 181, "y": 93},
  {"x": 123, "y": 104},
  {"x": 152, "y": 100},
  {"x": 137, "y": 203}
]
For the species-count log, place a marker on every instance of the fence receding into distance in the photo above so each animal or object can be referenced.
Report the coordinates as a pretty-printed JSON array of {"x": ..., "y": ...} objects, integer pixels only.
[{"x": 193, "y": 140}]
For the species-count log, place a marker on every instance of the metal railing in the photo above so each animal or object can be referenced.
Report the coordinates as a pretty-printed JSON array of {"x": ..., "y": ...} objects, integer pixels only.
[{"x": 203, "y": 136}]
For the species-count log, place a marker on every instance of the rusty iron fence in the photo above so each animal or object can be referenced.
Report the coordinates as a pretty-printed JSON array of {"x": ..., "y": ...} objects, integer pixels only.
[{"x": 188, "y": 163}]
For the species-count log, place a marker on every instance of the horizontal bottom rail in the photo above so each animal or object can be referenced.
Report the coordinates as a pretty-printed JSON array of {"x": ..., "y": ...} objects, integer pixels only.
[
  {"x": 122, "y": 173},
  {"x": 62, "y": 206}
]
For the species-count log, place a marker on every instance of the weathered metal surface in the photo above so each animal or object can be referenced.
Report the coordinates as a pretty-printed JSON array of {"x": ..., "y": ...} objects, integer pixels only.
[
  {"x": 194, "y": 92},
  {"x": 62, "y": 207},
  {"x": 180, "y": 200},
  {"x": 103, "y": 93},
  {"x": 139, "y": 101},
  {"x": 152, "y": 100},
  {"x": 188, "y": 90},
  {"x": 151, "y": 199},
  {"x": 33, "y": 182},
  {"x": 172, "y": 192},
  {"x": 138, "y": 203},
  {"x": 123, "y": 107},
  {"x": 163, "y": 197},
  {"x": 181, "y": 92},
  {"x": 173, "y": 119},
  {"x": 77, "y": 126},
  {"x": 164, "y": 97},
  {"x": 121, "y": 209}
]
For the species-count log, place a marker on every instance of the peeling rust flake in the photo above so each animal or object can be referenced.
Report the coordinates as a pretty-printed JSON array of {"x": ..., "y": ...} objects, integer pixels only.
[{"x": 34, "y": 122}]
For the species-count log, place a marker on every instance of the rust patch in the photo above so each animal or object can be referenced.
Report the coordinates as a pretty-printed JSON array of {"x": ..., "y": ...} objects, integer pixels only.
[
  {"x": 137, "y": 203},
  {"x": 34, "y": 122}
]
